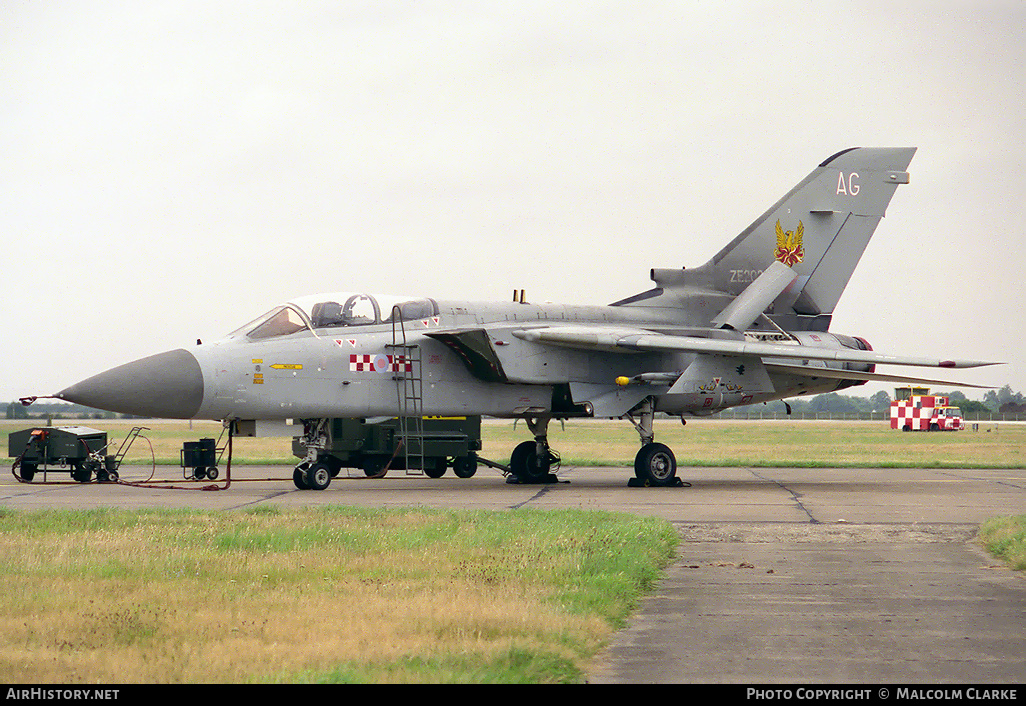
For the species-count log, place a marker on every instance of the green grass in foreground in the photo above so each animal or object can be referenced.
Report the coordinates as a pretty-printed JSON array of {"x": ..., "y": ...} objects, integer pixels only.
[
  {"x": 1005, "y": 538},
  {"x": 327, "y": 594}
]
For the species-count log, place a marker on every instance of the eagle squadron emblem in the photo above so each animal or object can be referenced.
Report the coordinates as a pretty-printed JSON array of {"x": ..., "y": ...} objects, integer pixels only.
[{"x": 790, "y": 249}]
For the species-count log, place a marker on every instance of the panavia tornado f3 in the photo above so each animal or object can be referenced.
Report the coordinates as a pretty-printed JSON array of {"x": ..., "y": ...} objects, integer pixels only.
[{"x": 749, "y": 326}]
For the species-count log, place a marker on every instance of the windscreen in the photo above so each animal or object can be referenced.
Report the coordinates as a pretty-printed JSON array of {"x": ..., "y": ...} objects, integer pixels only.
[{"x": 283, "y": 321}]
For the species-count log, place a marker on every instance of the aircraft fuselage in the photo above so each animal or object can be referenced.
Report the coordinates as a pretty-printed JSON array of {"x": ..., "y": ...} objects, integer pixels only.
[{"x": 470, "y": 358}]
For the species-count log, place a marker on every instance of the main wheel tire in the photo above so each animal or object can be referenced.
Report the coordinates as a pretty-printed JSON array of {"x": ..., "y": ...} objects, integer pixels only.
[
  {"x": 299, "y": 478},
  {"x": 656, "y": 464},
  {"x": 524, "y": 463}
]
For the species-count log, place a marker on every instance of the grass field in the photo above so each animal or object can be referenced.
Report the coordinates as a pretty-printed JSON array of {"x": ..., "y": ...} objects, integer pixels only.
[
  {"x": 702, "y": 442},
  {"x": 780, "y": 443},
  {"x": 317, "y": 595},
  {"x": 1005, "y": 538}
]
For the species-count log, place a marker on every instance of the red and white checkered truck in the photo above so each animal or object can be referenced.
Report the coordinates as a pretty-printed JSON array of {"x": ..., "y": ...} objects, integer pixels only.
[{"x": 915, "y": 409}]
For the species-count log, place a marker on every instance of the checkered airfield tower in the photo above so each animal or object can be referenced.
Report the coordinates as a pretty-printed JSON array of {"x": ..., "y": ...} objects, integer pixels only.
[{"x": 915, "y": 409}]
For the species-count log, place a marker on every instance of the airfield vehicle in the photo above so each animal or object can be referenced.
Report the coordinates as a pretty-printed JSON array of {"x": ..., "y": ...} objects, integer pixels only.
[
  {"x": 915, "y": 409},
  {"x": 431, "y": 445},
  {"x": 78, "y": 448}
]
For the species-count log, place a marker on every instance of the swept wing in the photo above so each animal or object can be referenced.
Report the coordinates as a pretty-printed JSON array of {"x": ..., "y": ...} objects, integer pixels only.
[{"x": 627, "y": 341}]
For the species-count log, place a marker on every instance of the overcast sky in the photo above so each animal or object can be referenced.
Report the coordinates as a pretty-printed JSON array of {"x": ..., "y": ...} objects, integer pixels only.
[{"x": 169, "y": 170}]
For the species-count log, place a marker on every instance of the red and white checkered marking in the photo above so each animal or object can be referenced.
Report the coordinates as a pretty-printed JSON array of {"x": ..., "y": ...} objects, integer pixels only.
[{"x": 380, "y": 363}]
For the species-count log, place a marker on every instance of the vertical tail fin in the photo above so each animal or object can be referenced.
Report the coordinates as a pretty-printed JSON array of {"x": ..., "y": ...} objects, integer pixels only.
[{"x": 820, "y": 229}]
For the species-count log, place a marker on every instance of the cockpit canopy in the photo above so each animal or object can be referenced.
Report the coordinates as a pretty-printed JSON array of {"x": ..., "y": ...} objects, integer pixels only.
[{"x": 330, "y": 311}]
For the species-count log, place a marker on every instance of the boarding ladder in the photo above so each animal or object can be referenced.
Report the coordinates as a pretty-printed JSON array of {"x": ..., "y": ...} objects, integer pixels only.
[
  {"x": 409, "y": 386},
  {"x": 126, "y": 444}
]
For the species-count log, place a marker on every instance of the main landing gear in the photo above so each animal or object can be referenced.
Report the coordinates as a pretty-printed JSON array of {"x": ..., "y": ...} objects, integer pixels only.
[
  {"x": 532, "y": 461},
  {"x": 654, "y": 465}
]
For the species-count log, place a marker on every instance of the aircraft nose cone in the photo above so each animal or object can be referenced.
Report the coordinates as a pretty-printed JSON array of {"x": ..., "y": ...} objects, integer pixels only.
[{"x": 167, "y": 385}]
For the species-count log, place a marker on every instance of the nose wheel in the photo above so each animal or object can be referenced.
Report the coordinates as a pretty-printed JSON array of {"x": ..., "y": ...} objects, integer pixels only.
[
  {"x": 316, "y": 476},
  {"x": 299, "y": 476}
]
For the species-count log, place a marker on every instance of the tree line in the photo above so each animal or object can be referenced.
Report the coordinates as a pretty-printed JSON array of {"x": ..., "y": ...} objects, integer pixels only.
[
  {"x": 996, "y": 404},
  {"x": 58, "y": 410}
]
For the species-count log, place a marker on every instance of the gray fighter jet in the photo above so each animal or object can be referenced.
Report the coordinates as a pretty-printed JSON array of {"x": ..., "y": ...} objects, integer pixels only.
[{"x": 749, "y": 326}]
